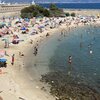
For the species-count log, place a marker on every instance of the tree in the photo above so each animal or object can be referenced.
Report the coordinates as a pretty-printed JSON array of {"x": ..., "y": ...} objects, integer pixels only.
[
  {"x": 36, "y": 10},
  {"x": 55, "y": 11},
  {"x": 67, "y": 14},
  {"x": 73, "y": 14},
  {"x": 53, "y": 7},
  {"x": 46, "y": 13}
]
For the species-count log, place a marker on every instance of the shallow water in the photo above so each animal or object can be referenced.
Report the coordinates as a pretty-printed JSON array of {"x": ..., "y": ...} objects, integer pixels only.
[{"x": 54, "y": 52}]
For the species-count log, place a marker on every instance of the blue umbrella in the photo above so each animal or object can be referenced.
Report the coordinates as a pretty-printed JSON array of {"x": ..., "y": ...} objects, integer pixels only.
[
  {"x": 23, "y": 28},
  {"x": 3, "y": 60},
  {"x": 26, "y": 19}
]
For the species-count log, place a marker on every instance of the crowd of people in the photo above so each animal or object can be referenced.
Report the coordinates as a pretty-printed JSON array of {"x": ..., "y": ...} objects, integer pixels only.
[{"x": 12, "y": 29}]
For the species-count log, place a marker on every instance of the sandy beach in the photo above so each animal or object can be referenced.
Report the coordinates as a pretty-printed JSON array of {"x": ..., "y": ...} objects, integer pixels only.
[
  {"x": 87, "y": 12},
  {"x": 15, "y": 80}
]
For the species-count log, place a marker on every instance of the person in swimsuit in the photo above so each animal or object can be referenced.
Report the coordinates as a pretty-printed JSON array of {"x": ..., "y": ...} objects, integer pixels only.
[{"x": 70, "y": 59}]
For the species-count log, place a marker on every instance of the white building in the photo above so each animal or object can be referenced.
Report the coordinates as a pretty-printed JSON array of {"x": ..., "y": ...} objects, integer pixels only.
[{"x": 33, "y": 2}]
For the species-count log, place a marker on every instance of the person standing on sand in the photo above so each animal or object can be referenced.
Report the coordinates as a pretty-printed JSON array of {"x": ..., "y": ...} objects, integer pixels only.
[
  {"x": 47, "y": 34},
  {"x": 13, "y": 59}
]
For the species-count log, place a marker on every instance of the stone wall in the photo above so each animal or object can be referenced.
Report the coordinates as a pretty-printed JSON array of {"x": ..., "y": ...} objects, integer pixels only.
[{"x": 11, "y": 10}]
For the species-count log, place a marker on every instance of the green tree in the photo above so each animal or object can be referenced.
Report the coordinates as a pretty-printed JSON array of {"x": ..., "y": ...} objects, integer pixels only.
[
  {"x": 46, "y": 13},
  {"x": 67, "y": 14},
  {"x": 36, "y": 10},
  {"x": 53, "y": 7},
  {"x": 55, "y": 11},
  {"x": 73, "y": 14}
]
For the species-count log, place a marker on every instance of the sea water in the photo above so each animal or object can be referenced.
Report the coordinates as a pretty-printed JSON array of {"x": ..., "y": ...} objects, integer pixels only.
[
  {"x": 78, "y": 43},
  {"x": 73, "y": 5}
]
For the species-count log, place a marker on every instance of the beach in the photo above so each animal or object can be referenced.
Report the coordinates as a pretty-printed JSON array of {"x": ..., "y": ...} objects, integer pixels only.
[
  {"x": 87, "y": 12},
  {"x": 16, "y": 80},
  {"x": 16, "y": 73}
]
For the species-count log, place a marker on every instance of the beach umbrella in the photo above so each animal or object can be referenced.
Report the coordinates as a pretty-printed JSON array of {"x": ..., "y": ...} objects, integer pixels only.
[
  {"x": 27, "y": 19},
  {"x": 3, "y": 59},
  {"x": 16, "y": 22},
  {"x": 41, "y": 27},
  {"x": 19, "y": 24},
  {"x": 33, "y": 32},
  {"x": 23, "y": 28},
  {"x": 2, "y": 24}
]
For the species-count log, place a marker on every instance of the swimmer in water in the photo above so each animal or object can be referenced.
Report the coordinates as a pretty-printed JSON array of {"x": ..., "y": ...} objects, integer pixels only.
[
  {"x": 70, "y": 59},
  {"x": 91, "y": 51}
]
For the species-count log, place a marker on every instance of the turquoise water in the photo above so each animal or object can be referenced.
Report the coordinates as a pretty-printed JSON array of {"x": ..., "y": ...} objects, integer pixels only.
[{"x": 56, "y": 50}]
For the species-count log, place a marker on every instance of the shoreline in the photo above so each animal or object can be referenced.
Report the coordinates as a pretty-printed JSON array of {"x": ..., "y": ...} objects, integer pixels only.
[
  {"x": 17, "y": 76},
  {"x": 60, "y": 83}
]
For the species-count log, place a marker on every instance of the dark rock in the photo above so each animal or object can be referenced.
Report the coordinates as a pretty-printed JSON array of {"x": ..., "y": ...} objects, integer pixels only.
[{"x": 66, "y": 87}]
